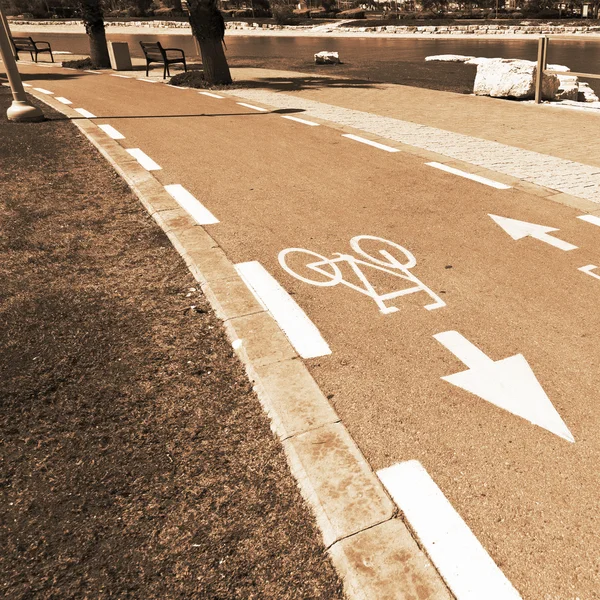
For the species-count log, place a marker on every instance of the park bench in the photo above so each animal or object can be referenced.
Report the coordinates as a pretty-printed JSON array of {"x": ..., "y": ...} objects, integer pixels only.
[
  {"x": 26, "y": 44},
  {"x": 154, "y": 52}
]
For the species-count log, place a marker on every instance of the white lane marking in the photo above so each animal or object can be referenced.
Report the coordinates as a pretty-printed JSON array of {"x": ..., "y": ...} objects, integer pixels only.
[
  {"x": 144, "y": 159},
  {"x": 121, "y": 76},
  {"x": 520, "y": 229},
  {"x": 301, "y": 121},
  {"x": 7, "y": 84},
  {"x": 148, "y": 80},
  {"x": 362, "y": 140},
  {"x": 63, "y": 100},
  {"x": 112, "y": 132},
  {"x": 463, "y": 563},
  {"x": 211, "y": 95},
  {"x": 508, "y": 383},
  {"x": 25, "y": 84},
  {"x": 590, "y": 219},
  {"x": 44, "y": 91},
  {"x": 478, "y": 178},
  {"x": 588, "y": 270},
  {"x": 85, "y": 113},
  {"x": 189, "y": 203},
  {"x": 94, "y": 72},
  {"x": 61, "y": 52},
  {"x": 299, "y": 329},
  {"x": 253, "y": 107}
]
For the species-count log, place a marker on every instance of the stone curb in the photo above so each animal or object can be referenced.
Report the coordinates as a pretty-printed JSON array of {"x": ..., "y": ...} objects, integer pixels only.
[{"x": 373, "y": 550}]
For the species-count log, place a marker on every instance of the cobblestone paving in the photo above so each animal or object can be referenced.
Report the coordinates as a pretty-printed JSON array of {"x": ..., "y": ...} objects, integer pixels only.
[{"x": 559, "y": 174}]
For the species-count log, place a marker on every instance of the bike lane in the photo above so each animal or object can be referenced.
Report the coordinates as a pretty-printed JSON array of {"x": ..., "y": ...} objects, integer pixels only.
[{"x": 529, "y": 495}]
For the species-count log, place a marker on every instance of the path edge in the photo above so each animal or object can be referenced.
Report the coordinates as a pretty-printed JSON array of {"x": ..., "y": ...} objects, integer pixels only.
[{"x": 373, "y": 550}]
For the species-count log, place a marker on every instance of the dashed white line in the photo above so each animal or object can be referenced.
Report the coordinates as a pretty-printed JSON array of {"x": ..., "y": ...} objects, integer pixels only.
[
  {"x": 112, "y": 132},
  {"x": 44, "y": 91},
  {"x": 465, "y": 566},
  {"x": 26, "y": 84},
  {"x": 63, "y": 100},
  {"x": 362, "y": 140},
  {"x": 94, "y": 72},
  {"x": 143, "y": 159},
  {"x": 300, "y": 330},
  {"x": 478, "y": 178},
  {"x": 121, "y": 76},
  {"x": 85, "y": 113},
  {"x": 590, "y": 219},
  {"x": 211, "y": 95},
  {"x": 196, "y": 210},
  {"x": 311, "y": 123},
  {"x": 253, "y": 107},
  {"x": 148, "y": 80}
]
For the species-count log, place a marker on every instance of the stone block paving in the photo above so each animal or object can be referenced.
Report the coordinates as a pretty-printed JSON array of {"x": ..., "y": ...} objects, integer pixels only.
[{"x": 570, "y": 177}]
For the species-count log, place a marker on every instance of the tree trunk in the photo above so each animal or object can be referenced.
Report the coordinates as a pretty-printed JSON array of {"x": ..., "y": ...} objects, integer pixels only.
[
  {"x": 93, "y": 19},
  {"x": 209, "y": 29}
]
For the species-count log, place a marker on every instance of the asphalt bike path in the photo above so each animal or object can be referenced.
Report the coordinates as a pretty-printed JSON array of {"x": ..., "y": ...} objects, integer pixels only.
[{"x": 476, "y": 295}]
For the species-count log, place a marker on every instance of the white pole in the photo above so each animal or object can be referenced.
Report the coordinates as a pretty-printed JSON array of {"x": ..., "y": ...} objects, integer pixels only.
[{"x": 21, "y": 109}]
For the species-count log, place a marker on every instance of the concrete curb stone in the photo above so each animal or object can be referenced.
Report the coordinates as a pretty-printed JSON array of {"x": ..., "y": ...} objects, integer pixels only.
[{"x": 348, "y": 500}]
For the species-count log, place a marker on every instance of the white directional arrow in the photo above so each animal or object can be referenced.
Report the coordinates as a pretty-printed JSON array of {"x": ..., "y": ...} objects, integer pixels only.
[
  {"x": 508, "y": 383},
  {"x": 520, "y": 229}
]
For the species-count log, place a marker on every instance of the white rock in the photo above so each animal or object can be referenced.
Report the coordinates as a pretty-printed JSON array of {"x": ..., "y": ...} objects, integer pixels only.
[
  {"x": 587, "y": 92},
  {"x": 507, "y": 78},
  {"x": 327, "y": 58},
  {"x": 448, "y": 58}
]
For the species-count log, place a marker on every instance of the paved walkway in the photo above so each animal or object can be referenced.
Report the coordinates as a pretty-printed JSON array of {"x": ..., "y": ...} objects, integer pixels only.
[{"x": 549, "y": 146}]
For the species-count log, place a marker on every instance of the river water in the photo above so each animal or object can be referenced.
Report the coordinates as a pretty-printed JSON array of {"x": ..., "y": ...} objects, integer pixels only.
[{"x": 390, "y": 60}]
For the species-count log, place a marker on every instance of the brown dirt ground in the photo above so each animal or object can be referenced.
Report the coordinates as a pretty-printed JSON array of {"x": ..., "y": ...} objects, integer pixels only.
[{"x": 136, "y": 460}]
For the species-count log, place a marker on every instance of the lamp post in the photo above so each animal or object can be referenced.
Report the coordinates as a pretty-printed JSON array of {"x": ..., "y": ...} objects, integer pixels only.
[{"x": 20, "y": 110}]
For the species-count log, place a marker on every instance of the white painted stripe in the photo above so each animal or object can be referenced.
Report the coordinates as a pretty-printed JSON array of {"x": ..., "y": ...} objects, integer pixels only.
[
  {"x": 461, "y": 560},
  {"x": 63, "y": 100},
  {"x": 44, "y": 91},
  {"x": 85, "y": 113},
  {"x": 148, "y": 80},
  {"x": 94, "y": 72},
  {"x": 362, "y": 140},
  {"x": 112, "y": 132},
  {"x": 121, "y": 76},
  {"x": 590, "y": 219},
  {"x": 61, "y": 52},
  {"x": 211, "y": 95},
  {"x": 253, "y": 107},
  {"x": 478, "y": 178},
  {"x": 178, "y": 87},
  {"x": 143, "y": 159},
  {"x": 301, "y": 121},
  {"x": 588, "y": 270},
  {"x": 25, "y": 85},
  {"x": 7, "y": 84},
  {"x": 196, "y": 210},
  {"x": 299, "y": 329}
]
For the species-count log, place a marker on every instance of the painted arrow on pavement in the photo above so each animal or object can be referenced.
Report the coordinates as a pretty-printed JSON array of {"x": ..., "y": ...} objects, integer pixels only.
[
  {"x": 520, "y": 229},
  {"x": 508, "y": 383}
]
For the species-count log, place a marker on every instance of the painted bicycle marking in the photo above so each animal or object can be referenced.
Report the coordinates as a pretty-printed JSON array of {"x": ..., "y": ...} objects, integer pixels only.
[{"x": 331, "y": 273}]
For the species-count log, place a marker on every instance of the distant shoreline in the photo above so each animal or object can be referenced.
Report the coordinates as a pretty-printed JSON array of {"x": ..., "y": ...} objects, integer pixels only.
[{"x": 432, "y": 32}]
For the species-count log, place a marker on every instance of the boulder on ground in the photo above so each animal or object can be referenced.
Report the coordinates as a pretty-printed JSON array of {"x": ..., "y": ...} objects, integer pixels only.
[
  {"x": 327, "y": 58},
  {"x": 508, "y": 78},
  {"x": 568, "y": 88},
  {"x": 586, "y": 93}
]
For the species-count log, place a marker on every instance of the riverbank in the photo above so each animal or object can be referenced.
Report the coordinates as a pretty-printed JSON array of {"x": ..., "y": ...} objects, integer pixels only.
[{"x": 237, "y": 28}]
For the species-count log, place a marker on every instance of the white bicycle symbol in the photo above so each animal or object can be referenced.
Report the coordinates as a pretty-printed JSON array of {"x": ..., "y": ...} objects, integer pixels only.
[{"x": 332, "y": 274}]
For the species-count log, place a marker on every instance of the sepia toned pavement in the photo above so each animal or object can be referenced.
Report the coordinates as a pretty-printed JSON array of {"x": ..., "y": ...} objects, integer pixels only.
[{"x": 278, "y": 172}]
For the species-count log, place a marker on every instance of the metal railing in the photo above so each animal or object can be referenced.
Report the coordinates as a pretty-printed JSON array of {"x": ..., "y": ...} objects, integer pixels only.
[{"x": 542, "y": 65}]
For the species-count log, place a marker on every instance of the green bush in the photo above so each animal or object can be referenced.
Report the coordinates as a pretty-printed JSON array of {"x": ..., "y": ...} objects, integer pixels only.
[{"x": 283, "y": 15}]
